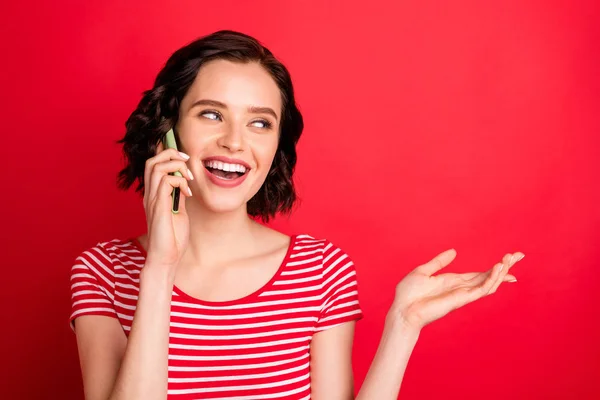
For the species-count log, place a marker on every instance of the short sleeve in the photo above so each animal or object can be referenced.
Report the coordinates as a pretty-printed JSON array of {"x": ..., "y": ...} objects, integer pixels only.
[
  {"x": 92, "y": 285},
  {"x": 340, "y": 301}
]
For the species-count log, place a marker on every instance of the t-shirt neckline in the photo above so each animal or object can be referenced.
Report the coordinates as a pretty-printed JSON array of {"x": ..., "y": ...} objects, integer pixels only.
[{"x": 136, "y": 243}]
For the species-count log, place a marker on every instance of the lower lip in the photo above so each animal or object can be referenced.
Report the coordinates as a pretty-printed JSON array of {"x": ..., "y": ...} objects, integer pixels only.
[{"x": 226, "y": 183}]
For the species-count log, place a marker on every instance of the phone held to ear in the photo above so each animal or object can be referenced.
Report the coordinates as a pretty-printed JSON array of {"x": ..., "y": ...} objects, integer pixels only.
[{"x": 170, "y": 143}]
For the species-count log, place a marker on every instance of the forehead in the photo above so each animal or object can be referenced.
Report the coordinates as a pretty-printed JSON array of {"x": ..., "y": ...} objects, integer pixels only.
[{"x": 238, "y": 85}]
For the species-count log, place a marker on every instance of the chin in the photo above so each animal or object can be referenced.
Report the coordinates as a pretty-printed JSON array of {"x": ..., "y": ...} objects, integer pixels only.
[{"x": 224, "y": 204}]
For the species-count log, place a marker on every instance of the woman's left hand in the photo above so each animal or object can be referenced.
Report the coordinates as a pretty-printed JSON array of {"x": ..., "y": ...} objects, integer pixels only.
[{"x": 422, "y": 298}]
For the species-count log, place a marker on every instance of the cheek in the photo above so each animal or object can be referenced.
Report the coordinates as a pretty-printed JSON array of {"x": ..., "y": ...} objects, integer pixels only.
[
  {"x": 193, "y": 127},
  {"x": 265, "y": 155},
  {"x": 194, "y": 141}
]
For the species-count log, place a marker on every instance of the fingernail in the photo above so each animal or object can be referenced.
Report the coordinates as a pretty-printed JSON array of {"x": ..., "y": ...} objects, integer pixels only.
[
  {"x": 190, "y": 191},
  {"x": 190, "y": 173},
  {"x": 520, "y": 258},
  {"x": 184, "y": 155},
  {"x": 513, "y": 280}
]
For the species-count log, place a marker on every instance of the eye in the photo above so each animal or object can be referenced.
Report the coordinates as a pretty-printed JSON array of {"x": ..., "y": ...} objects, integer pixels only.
[
  {"x": 262, "y": 123},
  {"x": 213, "y": 115}
]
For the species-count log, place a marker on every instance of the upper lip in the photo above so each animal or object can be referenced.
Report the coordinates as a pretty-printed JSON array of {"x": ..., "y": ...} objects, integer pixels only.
[{"x": 227, "y": 160}]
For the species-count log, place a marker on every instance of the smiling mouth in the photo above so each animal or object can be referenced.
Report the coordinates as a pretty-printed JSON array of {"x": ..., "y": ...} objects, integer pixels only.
[{"x": 225, "y": 171}]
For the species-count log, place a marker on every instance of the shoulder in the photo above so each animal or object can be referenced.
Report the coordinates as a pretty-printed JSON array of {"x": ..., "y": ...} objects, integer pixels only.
[
  {"x": 319, "y": 244},
  {"x": 114, "y": 248},
  {"x": 333, "y": 258},
  {"x": 123, "y": 249},
  {"x": 102, "y": 257},
  {"x": 338, "y": 282}
]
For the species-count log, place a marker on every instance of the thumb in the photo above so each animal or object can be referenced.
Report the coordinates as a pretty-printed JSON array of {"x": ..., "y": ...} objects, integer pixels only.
[{"x": 438, "y": 262}]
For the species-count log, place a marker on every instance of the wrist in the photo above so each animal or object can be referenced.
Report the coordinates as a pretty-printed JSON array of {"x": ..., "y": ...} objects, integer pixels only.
[
  {"x": 157, "y": 273},
  {"x": 397, "y": 322}
]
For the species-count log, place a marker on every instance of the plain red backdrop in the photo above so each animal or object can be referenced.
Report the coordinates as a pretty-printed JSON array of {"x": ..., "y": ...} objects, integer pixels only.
[{"x": 429, "y": 125}]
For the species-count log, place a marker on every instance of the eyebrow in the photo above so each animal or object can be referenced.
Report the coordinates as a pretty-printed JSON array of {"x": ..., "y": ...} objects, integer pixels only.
[{"x": 252, "y": 109}]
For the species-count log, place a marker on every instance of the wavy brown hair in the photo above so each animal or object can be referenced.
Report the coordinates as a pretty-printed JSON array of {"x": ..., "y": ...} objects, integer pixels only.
[{"x": 158, "y": 111}]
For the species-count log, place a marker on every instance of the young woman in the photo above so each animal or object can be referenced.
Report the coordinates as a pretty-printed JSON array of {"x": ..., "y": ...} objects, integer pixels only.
[{"x": 209, "y": 303}]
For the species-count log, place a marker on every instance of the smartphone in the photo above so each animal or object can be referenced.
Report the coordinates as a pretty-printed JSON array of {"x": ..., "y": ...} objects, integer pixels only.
[{"x": 170, "y": 143}]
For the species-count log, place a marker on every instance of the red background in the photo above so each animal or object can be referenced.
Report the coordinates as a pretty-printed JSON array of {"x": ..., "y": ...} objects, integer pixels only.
[{"x": 429, "y": 125}]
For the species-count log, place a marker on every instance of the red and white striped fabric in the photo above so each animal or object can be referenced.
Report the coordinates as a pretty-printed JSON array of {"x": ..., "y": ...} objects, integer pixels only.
[{"x": 256, "y": 347}]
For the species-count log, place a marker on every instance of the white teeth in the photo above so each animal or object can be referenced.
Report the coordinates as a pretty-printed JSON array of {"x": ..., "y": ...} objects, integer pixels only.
[{"x": 225, "y": 166}]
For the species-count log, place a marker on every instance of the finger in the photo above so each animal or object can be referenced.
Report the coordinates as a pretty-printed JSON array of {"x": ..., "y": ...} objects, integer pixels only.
[
  {"x": 470, "y": 279},
  {"x": 464, "y": 280},
  {"x": 437, "y": 263},
  {"x": 465, "y": 295},
  {"x": 509, "y": 260},
  {"x": 165, "y": 189},
  {"x": 169, "y": 167},
  {"x": 478, "y": 277},
  {"x": 471, "y": 286},
  {"x": 516, "y": 257},
  {"x": 163, "y": 155},
  {"x": 499, "y": 279},
  {"x": 484, "y": 288},
  {"x": 166, "y": 168},
  {"x": 160, "y": 155},
  {"x": 166, "y": 156}
]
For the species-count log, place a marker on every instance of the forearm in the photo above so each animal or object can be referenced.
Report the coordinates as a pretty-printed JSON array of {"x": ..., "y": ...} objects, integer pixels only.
[
  {"x": 385, "y": 375},
  {"x": 144, "y": 368}
]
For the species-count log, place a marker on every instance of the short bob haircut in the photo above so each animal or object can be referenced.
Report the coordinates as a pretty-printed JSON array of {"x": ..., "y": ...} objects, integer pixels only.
[{"x": 158, "y": 111}]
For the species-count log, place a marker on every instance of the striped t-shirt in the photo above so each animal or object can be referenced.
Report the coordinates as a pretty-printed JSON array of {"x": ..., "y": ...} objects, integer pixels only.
[{"x": 256, "y": 347}]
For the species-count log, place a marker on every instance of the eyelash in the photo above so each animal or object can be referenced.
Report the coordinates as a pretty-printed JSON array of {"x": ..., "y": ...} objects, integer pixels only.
[{"x": 267, "y": 124}]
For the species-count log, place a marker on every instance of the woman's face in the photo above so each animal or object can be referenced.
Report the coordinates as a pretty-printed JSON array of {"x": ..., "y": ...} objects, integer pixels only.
[{"x": 229, "y": 126}]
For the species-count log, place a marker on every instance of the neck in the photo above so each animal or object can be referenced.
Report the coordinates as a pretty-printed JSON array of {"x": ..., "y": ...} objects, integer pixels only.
[{"x": 217, "y": 237}]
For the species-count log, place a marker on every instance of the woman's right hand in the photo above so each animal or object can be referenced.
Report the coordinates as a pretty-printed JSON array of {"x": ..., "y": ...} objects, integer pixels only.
[
  {"x": 168, "y": 233},
  {"x": 422, "y": 298}
]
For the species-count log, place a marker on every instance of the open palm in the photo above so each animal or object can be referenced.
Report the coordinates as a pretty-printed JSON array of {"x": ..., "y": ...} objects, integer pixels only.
[{"x": 421, "y": 298}]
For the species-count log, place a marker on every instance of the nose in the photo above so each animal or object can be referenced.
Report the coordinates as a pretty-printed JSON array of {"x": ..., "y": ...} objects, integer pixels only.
[{"x": 232, "y": 138}]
